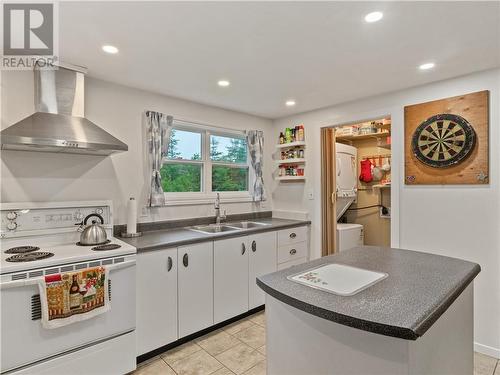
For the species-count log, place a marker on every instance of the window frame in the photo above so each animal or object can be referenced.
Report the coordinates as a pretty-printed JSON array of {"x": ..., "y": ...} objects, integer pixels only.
[{"x": 206, "y": 195}]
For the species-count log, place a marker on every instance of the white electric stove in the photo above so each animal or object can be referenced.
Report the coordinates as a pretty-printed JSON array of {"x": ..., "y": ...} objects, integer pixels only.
[{"x": 39, "y": 239}]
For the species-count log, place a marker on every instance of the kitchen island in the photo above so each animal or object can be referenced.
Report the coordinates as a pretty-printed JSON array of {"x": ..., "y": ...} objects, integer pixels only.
[{"x": 417, "y": 319}]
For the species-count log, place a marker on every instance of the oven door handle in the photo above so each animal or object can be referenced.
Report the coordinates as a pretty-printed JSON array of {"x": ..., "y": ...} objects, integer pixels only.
[{"x": 34, "y": 280}]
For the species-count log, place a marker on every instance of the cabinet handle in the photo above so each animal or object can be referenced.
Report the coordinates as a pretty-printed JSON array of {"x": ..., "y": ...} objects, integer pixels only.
[
  {"x": 243, "y": 249},
  {"x": 169, "y": 264},
  {"x": 293, "y": 252},
  {"x": 293, "y": 235},
  {"x": 254, "y": 246},
  {"x": 185, "y": 260}
]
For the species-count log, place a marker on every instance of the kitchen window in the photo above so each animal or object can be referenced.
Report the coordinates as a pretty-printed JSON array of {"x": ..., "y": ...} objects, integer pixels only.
[{"x": 203, "y": 161}]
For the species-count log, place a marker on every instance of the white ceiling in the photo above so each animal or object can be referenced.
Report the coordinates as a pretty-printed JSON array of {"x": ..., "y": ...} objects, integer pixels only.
[{"x": 318, "y": 53}]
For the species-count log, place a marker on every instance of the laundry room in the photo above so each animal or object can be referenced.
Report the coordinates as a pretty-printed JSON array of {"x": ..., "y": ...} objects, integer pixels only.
[
  {"x": 250, "y": 187},
  {"x": 363, "y": 183}
]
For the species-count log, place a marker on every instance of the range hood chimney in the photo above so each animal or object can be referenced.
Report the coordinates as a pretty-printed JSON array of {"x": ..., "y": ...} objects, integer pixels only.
[{"x": 59, "y": 125}]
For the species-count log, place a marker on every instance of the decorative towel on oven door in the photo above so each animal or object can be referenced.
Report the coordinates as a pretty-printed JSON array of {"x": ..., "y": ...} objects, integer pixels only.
[{"x": 73, "y": 296}]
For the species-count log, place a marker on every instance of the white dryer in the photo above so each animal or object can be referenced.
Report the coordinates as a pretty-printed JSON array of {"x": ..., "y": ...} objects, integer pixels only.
[{"x": 346, "y": 162}]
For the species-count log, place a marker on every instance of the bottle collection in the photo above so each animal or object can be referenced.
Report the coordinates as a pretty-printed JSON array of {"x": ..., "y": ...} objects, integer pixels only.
[
  {"x": 296, "y": 153},
  {"x": 291, "y": 170},
  {"x": 291, "y": 136},
  {"x": 371, "y": 127},
  {"x": 296, "y": 134}
]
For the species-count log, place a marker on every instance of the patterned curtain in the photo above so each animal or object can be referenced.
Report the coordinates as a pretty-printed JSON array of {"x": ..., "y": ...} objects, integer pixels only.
[
  {"x": 159, "y": 129},
  {"x": 255, "y": 141}
]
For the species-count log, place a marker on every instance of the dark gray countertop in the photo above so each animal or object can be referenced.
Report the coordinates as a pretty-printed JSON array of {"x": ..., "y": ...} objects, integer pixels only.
[
  {"x": 160, "y": 239},
  {"x": 419, "y": 289}
]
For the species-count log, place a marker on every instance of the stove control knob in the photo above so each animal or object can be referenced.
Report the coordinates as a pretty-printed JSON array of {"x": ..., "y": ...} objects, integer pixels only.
[
  {"x": 12, "y": 225},
  {"x": 11, "y": 215},
  {"x": 99, "y": 211}
]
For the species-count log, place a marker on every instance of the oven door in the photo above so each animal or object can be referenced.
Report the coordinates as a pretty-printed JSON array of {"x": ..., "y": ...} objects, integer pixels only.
[{"x": 25, "y": 341}]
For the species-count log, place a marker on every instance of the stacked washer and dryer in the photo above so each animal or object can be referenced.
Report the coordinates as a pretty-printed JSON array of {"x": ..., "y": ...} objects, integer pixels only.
[{"x": 348, "y": 235}]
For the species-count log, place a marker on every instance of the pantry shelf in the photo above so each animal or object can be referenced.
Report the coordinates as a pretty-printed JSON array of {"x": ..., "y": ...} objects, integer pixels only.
[
  {"x": 292, "y": 161},
  {"x": 291, "y": 144},
  {"x": 362, "y": 136}
]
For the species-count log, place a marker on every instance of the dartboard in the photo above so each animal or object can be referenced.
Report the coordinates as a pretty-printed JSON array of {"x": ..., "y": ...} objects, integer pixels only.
[{"x": 443, "y": 140}]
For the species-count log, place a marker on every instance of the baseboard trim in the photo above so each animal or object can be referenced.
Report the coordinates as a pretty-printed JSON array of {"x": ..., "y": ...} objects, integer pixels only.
[{"x": 487, "y": 350}]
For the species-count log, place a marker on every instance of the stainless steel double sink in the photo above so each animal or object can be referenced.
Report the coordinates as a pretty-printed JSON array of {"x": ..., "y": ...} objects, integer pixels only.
[{"x": 227, "y": 227}]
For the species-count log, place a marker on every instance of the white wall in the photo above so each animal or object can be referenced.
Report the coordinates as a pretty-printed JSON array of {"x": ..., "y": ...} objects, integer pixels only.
[
  {"x": 457, "y": 221},
  {"x": 35, "y": 176}
]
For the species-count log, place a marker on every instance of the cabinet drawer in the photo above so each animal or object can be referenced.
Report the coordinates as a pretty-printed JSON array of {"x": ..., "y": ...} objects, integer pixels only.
[
  {"x": 292, "y": 235},
  {"x": 291, "y": 263},
  {"x": 292, "y": 251}
]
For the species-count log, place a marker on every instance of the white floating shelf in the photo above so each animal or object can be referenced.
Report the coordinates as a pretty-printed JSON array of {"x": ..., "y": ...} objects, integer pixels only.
[
  {"x": 292, "y": 161},
  {"x": 290, "y": 178},
  {"x": 292, "y": 144}
]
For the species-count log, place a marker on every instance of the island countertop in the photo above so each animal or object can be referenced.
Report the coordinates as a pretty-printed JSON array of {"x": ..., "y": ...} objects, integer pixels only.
[{"x": 419, "y": 289}]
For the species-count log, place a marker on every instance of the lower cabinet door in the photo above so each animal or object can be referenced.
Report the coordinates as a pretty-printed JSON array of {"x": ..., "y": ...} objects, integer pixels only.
[
  {"x": 261, "y": 260},
  {"x": 230, "y": 278},
  {"x": 156, "y": 307},
  {"x": 195, "y": 286}
]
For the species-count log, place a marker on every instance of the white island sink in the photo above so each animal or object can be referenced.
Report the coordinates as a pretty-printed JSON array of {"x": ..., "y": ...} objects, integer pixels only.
[{"x": 338, "y": 278}]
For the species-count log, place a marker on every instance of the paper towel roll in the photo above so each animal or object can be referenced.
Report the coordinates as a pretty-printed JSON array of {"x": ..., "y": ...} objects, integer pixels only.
[{"x": 132, "y": 216}]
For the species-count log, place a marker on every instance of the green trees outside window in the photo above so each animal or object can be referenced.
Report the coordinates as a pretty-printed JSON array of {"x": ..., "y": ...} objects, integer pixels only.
[{"x": 183, "y": 171}]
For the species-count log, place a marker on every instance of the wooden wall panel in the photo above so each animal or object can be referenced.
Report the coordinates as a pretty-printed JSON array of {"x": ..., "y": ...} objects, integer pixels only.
[{"x": 474, "y": 108}]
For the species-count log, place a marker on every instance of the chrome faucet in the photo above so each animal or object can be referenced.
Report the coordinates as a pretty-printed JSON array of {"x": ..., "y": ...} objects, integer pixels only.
[{"x": 218, "y": 216}]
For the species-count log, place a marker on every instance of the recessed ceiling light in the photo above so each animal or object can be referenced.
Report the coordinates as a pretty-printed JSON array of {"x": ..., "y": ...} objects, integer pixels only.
[
  {"x": 374, "y": 17},
  {"x": 110, "y": 49},
  {"x": 223, "y": 83},
  {"x": 290, "y": 103},
  {"x": 427, "y": 66}
]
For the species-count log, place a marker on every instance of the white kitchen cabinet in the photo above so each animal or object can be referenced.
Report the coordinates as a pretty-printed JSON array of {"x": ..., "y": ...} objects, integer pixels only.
[
  {"x": 261, "y": 260},
  {"x": 195, "y": 288},
  {"x": 181, "y": 291},
  {"x": 292, "y": 235},
  {"x": 156, "y": 308},
  {"x": 230, "y": 278},
  {"x": 291, "y": 252}
]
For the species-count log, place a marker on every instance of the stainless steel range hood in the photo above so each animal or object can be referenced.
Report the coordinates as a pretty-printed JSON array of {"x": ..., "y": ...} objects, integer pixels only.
[{"x": 59, "y": 125}]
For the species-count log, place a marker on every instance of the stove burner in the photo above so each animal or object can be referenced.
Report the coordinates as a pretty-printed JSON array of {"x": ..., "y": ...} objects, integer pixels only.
[
  {"x": 29, "y": 257},
  {"x": 110, "y": 246},
  {"x": 94, "y": 244},
  {"x": 21, "y": 249}
]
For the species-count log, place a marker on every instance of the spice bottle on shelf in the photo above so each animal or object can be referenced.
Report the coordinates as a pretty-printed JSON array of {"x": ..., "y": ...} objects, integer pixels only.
[
  {"x": 282, "y": 138},
  {"x": 301, "y": 134}
]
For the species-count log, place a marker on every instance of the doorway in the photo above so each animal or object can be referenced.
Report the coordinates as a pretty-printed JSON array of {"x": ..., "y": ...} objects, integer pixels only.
[{"x": 356, "y": 163}]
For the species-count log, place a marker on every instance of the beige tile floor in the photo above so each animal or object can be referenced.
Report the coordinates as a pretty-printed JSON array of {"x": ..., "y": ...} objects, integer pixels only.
[{"x": 240, "y": 348}]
